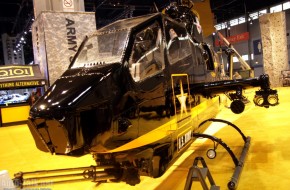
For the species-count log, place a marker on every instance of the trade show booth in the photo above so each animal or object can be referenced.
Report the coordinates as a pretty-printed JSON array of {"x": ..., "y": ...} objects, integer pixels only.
[{"x": 20, "y": 85}]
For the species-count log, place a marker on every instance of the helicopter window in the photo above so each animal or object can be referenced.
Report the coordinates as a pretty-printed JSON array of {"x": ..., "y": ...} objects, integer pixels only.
[
  {"x": 146, "y": 59},
  {"x": 177, "y": 41},
  {"x": 102, "y": 48}
]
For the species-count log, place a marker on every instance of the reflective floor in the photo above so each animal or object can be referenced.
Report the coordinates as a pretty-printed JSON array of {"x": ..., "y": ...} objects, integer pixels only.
[{"x": 266, "y": 167}]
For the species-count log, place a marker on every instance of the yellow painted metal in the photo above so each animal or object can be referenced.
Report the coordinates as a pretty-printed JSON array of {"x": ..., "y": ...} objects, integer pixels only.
[{"x": 164, "y": 130}]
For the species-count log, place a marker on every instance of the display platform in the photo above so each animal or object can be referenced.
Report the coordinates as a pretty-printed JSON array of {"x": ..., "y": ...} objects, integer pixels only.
[{"x": 266, "y": 166}]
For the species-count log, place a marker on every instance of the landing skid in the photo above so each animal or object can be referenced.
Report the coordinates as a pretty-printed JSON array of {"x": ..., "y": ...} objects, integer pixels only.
[{"x": 239, "y": 163}]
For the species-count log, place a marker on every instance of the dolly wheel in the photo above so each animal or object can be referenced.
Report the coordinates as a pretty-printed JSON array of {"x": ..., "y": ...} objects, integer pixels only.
[
  {"x": 237, "y": 106},
  {"x": 211, "y": 153}
]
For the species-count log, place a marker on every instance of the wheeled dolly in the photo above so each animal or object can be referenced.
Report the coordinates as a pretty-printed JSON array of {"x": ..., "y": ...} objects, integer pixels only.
[{"x": 239, "y": 163}]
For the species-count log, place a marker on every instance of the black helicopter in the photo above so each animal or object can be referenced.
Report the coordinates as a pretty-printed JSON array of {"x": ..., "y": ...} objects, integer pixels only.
[{"x": 133, "y": 91}]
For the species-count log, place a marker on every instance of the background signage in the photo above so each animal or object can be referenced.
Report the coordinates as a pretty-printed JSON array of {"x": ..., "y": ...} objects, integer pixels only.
[
  {"x": 15, "y": 71},
  {"x": 20, "y": 76},
  {"x": 234, "y": 39},
  {"x": 68, "y": 5},
  {"x": 257, "y": 46}
]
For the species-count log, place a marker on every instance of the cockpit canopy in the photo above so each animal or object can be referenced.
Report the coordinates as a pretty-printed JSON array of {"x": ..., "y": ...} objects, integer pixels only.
[{"x": 108, "y": 44}]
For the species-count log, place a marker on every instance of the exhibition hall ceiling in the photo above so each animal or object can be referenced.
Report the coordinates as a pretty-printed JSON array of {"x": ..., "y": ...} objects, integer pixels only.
[
  {"x": 225, "y": 10},
  {"x": 16, "y": 15},
  {"x": 13, "y": 15}
]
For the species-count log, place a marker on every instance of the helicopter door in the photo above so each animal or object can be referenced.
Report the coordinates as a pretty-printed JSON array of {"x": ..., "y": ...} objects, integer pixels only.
[{"x": 147, "y": 64}]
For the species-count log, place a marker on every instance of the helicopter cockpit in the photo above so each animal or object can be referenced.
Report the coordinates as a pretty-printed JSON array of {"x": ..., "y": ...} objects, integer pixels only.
[{"x": 146, "y": 58}]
